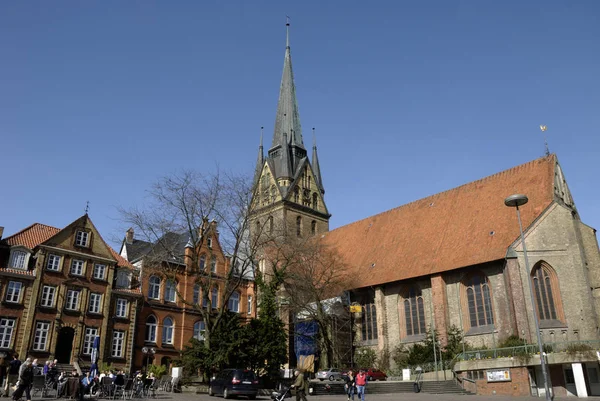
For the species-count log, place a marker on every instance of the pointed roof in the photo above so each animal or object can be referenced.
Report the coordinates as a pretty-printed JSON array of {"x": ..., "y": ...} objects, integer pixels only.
[
  {"x": 287, "y": 119},
  {"x": 285, "y": 169},
  {"x": 315, "y": 164},
  {"x": 37, "y": 233},
  {"x": 464, "y": 226}
]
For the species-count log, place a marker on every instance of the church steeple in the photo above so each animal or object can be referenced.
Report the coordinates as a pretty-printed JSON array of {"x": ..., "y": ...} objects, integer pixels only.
[
  {"x": 315, "y": 165},
  {"x": 287, "y": 119},
  {"x": 260, "y": 161}
]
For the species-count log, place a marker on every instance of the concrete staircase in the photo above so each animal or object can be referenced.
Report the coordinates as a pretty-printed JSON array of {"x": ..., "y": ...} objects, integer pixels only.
[{"x": 389, "y": 387}]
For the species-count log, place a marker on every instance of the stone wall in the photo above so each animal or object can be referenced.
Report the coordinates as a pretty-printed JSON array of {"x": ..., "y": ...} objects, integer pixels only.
[{"x": 517, "y": 386}]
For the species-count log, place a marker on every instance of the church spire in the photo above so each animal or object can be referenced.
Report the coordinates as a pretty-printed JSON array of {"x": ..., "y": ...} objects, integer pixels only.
[
  {"x": 260, "y": 161},
  {"x": 287, "y": 120},
  {"x": 315, "y": 165}
]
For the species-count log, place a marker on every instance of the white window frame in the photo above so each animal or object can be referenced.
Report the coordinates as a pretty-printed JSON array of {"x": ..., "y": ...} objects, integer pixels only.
[
  {"x": 98, "y": 267},
  {"x": 19, "y": 259},
  {"x": 171, "y": 291},
  {"x": 7, "y": 327},
  {"x": 151, "y": 328},
  {"x": 214, "y": 298},
  {"x": 168, "y": 332},
  {"x": 213, "y": 264},
  {"x": 233, "y": 304},
  {"x": 53, "y": 263},
  {"x": 249, "y": 310},
  {"x": 14, "y": 289},
  {"x": 48, "y": 296},
  {"x": 196, "y": 294},
  {"x": 88, "y": 340},
  {"x": 72, "y": 300},
  {"x": 40, "y": 338},
  {"x": 199, "y": 329},
  {"x": 82, "y": 238},
  {"x": 81, "y": 264},
  {"x": 95, "y": 303},
  {"x": 118, "y": 343},
  {"x": 154, "y": 288},
  {"x": 121, "y": 307}
]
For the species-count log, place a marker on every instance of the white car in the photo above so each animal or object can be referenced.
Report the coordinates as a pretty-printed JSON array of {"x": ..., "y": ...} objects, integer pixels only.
[{"x": 331, "y": 374}]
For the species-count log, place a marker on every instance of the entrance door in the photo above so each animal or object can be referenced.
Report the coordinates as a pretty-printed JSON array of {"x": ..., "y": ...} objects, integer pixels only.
[{"x": 64, "y": 344}]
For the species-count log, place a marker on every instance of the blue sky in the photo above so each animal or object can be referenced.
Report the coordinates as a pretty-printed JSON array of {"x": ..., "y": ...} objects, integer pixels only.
[{"x": 100, "y": 98}]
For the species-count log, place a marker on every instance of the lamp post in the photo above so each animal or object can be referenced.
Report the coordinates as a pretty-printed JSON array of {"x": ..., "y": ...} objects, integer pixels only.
[
  {"x": 516, "y": 201},
  {"x": 148, "y": 352}
]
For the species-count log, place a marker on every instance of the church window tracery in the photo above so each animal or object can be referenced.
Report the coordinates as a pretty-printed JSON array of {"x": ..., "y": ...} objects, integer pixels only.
[
  {"x": 479, "y": 310},
  {"x": 414, "y": 312},
  {"x": 547, "y": 293}
]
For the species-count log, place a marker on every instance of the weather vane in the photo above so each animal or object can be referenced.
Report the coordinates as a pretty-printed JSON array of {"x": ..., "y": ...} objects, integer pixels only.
[
  {"x": 87, "y": 207},
  {"x": 543, "y": 128}
]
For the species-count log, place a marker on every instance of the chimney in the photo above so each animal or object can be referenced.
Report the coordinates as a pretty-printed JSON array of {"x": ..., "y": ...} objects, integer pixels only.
[
  {"x": 1, "y": 231},
  {"x": 129, "y": 236}
]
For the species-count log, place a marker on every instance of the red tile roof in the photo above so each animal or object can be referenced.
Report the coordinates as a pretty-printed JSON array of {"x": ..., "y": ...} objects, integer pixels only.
[
  {"x": 121, "y": 261},
  {"x": 32, "y": 236},
  {"x": 37, "y": 233},
  {"x": 461, "y": 227}
]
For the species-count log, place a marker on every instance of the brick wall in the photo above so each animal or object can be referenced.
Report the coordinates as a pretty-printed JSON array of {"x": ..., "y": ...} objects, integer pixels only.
[{"x": 518, "y": 386}]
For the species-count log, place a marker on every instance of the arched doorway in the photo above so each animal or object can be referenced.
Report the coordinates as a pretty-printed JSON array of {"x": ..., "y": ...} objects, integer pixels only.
[{"x": 64, "y": 345}]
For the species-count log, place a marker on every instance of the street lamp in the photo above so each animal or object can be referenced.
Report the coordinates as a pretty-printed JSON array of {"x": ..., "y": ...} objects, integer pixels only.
[
  {"x": 516, "y": 201},
  {"x": 148, "y": 352}
]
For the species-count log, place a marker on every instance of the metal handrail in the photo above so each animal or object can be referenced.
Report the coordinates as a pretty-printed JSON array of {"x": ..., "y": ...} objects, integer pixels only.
[
  {"x": 466, "y": 379},
  {"x": 551, "y": 347}
]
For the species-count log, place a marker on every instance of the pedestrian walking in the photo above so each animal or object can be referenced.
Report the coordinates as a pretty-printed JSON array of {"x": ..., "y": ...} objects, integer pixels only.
[
  {"x": 301, "y": 385},
  {"x": 13, "y": 374},
  {"x": 361, "y": 384},
  {"x": 350, "y": 383},
  {"x": 3, "y": 374},
  {"x": 25, "y": 381}
]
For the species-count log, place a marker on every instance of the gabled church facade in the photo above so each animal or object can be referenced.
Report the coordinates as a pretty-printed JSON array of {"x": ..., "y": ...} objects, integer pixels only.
[{"x": 452, "y": 260}]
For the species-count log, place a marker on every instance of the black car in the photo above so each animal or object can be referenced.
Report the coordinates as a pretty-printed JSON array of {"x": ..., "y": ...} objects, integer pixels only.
[{"x": 232, "y": 382}]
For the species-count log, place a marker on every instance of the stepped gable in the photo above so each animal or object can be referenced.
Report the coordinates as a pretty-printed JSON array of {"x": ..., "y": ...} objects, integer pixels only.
[{"x": 464, "y": 226}]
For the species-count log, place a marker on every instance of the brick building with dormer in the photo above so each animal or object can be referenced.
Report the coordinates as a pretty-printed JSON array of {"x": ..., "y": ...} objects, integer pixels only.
[{"x": 61, "y": 288}]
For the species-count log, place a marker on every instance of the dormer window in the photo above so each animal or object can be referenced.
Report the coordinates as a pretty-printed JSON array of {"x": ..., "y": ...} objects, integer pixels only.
[
  {"x": 18, "y": 259},
  {"x": 82, "y": 238}
]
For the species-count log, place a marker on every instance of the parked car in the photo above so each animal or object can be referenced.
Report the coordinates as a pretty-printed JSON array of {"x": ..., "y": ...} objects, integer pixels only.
[
  {"x": 375, "y": 374},
  {"x": 331, "y": 374},
  {"x": 232, "y": 382}
]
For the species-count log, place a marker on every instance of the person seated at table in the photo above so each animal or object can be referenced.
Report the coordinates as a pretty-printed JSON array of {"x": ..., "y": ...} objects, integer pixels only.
[{"x": 120, "y": 378}]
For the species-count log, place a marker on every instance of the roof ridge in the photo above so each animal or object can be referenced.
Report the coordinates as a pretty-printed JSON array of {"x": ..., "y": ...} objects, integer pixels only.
[
  {"x": 412, "y": 203},
  {"x": 29, "y": 227}
]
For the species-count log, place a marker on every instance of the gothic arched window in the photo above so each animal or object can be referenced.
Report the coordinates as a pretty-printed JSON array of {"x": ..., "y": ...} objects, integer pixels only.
[
  {"x": 546, "y": 292},
  {"x": 297, "y": 195},
  {"x": 151, "y": 329},
  {"x": 270, "y": 224},
  {"x": 199, "y": 328},
  {"x": 414, "y": 312},
  {"x": 479, "y": 300},
  {"x": 202, "y": 263},
  {"x": 167, "y": 331}
]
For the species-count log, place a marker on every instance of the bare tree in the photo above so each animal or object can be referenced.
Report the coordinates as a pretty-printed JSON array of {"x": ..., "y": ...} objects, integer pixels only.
[
  {"x": 310, "y": 276},
  {"x": 180, "y": 219}
]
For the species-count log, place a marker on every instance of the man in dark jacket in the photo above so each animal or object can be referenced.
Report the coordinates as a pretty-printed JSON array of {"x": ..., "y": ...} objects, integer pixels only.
[
  {"x": 13, "y": 373},
  {"x": 25, "y": 381}
]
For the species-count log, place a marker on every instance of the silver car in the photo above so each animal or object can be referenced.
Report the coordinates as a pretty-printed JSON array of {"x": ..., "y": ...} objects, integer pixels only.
[{"x": 331, "y": 374}]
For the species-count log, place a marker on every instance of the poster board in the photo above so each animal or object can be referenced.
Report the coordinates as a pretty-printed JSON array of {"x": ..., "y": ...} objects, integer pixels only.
[{"x": 498, "y": 375}]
